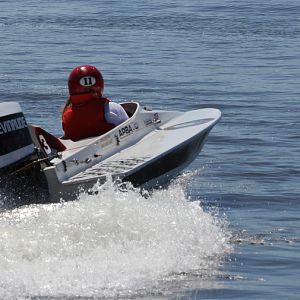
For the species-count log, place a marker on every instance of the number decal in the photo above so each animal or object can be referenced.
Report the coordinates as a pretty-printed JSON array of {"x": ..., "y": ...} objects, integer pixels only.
[
  {"x": 87, "y": 81},
  {"x": 44, "y": 144}
]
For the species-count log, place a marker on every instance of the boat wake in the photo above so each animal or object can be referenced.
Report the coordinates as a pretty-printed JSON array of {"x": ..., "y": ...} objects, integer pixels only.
[{"x": 115, "y": 243}]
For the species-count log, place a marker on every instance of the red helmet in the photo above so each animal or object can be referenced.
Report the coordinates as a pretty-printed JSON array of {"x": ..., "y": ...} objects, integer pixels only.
[{"x": 85, "y": 79}]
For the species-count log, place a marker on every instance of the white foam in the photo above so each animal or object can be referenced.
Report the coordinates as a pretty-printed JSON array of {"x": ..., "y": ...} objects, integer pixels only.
[{"x": 107, "y": 245}]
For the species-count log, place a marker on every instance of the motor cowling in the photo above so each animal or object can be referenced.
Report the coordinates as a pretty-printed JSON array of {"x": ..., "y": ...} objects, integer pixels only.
[{"x": 16, "y": 145}]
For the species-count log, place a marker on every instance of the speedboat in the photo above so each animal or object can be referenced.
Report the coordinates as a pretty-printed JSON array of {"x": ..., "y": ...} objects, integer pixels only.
[{"x": 148, "y": 150}]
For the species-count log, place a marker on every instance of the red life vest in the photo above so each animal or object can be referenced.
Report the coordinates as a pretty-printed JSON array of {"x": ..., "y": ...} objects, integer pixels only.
[{"x": 85, "y": 117}]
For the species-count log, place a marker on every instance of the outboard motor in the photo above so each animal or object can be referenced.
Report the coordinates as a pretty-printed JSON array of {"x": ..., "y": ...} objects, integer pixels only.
[
  {"x": 16, "y": 145},
  {"x": 21, "y": 181}
]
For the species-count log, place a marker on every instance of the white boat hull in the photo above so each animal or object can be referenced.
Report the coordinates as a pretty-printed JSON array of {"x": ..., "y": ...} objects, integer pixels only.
[{"x": 148, "y": 150}]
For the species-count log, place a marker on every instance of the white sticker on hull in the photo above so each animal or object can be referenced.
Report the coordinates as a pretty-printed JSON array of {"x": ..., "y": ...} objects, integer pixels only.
[
  {"x": 106, "y": 141},
  {"x": 128, "y": 129}
]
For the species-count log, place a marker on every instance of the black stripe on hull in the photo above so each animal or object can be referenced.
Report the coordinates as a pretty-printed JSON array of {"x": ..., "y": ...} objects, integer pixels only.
[{"x": 181, "y": 156}]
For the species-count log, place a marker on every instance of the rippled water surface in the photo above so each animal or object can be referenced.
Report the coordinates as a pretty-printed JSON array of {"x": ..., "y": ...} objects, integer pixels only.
[{"x": 229, "y": 228}]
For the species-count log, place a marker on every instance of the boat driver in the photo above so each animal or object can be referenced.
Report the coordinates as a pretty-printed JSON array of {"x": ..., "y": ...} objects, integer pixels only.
[{"x": 87, "y": 112}]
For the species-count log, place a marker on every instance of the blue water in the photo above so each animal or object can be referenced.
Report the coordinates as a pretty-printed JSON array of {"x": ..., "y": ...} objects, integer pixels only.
[{"x": 230, "y": 227}]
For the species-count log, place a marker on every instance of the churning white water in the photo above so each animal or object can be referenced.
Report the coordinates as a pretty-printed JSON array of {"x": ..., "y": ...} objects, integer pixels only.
[{"x": 111, "y": 244}]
